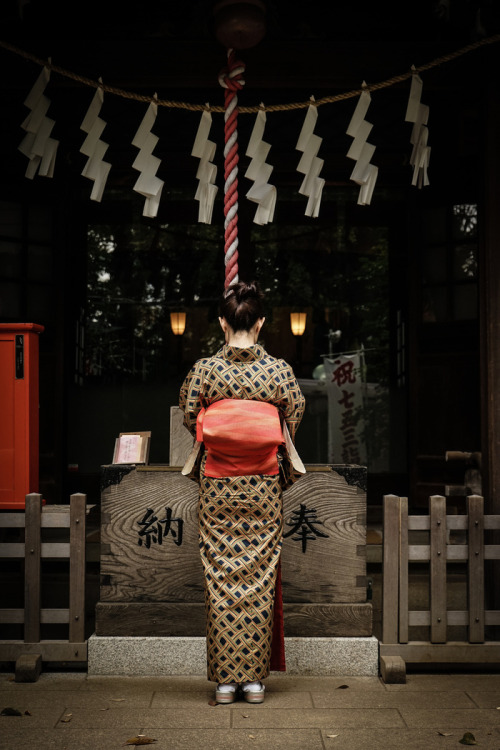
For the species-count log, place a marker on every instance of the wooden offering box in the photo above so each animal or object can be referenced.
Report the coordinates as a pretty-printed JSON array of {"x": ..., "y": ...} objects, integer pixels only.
[{"x": 151, "y": 574}]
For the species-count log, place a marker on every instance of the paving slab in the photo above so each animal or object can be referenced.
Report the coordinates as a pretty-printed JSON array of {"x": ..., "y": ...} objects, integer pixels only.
[
  {"x": 405, "y": 739},
  {"x": 46, "y": 681},
  {"x": 37, "y": 717},
  {"x": 236, "y": 739},
  {"x": 321, "y": 718},
  {"x": 285, "y": 681},
  {"x": 79, "y": 698},
  {"x": 365, "y": 699},
  {"x": 100, "y": 738},
  {"x": 199, "y": 717},
  {"x": 42, "y": 739},
  {"x": 138, "y": 685},
  {"x": 194, "y": 699},
  {"x": 485, "y": 699},
  {"x": 448, "y": 682},
  {"x": 448, "y": 717},
  {"x": 69, "y": 737}
]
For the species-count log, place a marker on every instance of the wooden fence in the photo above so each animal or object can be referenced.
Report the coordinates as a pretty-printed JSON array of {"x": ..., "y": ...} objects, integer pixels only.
[
  {"x": 437, "y": 550},
  {"x": 34, "y": 519}
]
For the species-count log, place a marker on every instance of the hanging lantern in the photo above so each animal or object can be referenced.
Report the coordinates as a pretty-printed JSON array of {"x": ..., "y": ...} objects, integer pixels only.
[
  {"x": 298, "y": 323},
  {"x": 238, "y": 24},
  {"x": 178, "y": 323}
]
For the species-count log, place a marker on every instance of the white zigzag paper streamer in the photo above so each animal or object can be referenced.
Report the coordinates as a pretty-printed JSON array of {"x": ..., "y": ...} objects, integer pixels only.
[
  {"x": 364, "y": 173},
  {"x": 261, "y": 192},
  {"x": 148, "y": 184},
  {"x": 204, "y": 150},
  {"x": 37, "y": 144},
  {"x": 418, "y": 114},
  {"x": 96, "y": 168},
  {"x": 310, "y": 165}
]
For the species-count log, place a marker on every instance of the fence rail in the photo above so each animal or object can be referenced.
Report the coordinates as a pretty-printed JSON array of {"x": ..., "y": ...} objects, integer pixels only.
[
  {"x": 33, "y": 550},
  {"x": 398, "y": 553}
]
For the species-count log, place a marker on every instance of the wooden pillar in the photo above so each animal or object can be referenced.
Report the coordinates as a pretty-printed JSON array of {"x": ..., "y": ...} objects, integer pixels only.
[
  {"x": 489, "y": 312},
  {"x": 489, "y": 294}
]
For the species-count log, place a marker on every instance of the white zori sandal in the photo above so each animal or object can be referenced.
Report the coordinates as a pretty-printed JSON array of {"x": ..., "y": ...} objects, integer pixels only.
[
  {"x": 226, "y": 693},
  {"x": 253, "y": 692}
]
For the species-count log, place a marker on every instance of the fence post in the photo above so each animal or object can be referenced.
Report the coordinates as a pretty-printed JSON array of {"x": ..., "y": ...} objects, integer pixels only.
[
  {"x": 437, "y": 514},
  {"x": 78, "y": 503},
  {"x": 403, "y": 570},
  {"x": 390, "y": 572},
  {"x": 475, "y": 592},
  {"x": 32, "y": 567}
]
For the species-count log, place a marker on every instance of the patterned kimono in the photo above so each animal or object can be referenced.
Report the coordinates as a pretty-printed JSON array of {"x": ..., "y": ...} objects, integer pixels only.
[{"x": 240, "y": 517}]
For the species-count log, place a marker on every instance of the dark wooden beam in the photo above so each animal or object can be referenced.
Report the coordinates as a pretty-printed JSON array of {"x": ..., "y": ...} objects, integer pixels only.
[
  {"x": 490, "y": 300},
  {"x": 146, "y": 66}
]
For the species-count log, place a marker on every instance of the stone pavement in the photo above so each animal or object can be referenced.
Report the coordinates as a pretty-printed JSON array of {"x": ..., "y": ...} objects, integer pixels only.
[{"x": 76, "y": 711}]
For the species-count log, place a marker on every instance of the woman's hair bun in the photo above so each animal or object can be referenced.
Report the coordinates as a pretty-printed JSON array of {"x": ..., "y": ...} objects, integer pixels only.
[
  {"x": 242, "y": 305},
  {"x": 246, "y": 290}
]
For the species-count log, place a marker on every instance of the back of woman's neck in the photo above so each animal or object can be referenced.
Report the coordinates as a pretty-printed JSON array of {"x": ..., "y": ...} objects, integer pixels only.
[{"x": 241, "y": 341}]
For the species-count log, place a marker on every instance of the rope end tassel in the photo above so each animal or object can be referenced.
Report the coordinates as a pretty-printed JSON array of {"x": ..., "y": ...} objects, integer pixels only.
[{"x": 231, "y": 79}]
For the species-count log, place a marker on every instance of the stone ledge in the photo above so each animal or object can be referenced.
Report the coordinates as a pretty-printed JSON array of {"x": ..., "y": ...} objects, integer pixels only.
[{"x": 142, "y": 655}]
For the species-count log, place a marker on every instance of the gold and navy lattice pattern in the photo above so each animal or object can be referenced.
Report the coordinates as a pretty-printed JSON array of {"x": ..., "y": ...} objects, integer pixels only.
[
  {"x": 240, "y": 534},
  {"x": 242, "y": 373},
  {"x": 240, "y": 518}
]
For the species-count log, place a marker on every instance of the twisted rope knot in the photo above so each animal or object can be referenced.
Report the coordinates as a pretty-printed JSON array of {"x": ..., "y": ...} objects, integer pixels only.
[{"x": 231, "y": 76}]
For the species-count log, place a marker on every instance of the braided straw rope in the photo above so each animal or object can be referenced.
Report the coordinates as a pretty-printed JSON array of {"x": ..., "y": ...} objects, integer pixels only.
[{"x": 248, "y": 110}]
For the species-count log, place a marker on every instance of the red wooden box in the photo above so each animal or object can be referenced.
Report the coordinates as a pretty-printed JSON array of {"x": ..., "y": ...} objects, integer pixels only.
[{"x": 19, "y": 409}]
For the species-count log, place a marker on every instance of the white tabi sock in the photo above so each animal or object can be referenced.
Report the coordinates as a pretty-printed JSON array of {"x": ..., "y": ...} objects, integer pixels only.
[
  {"x": 252, "y": 686},
  {"x": 229, "y": 688}
]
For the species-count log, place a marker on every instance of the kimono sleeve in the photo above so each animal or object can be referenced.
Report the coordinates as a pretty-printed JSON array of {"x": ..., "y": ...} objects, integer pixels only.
[
  {"x": 190, "y": 396},
  {"x": 290, "y": 399}
]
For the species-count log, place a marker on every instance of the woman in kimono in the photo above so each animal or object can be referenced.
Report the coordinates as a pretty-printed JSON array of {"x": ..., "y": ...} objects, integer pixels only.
[{"x": 237, "y": 404}]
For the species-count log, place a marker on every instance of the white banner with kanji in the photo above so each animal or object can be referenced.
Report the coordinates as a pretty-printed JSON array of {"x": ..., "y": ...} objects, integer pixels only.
[{"x": 346, "y": 423}]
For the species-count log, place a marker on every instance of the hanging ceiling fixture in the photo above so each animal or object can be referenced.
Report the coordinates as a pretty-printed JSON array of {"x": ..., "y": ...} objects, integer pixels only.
[{"x": 239, "y": 25}]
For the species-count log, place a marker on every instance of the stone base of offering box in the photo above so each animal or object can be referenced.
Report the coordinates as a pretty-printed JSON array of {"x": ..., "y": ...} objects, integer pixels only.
[{"x": 151, "y": 593}]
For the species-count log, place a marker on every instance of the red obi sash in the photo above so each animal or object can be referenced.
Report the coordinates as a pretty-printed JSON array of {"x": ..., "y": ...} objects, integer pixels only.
[{"x": 240, "y": 436}]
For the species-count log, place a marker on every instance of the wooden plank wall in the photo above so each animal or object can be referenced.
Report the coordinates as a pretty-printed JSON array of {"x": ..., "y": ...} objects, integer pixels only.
[{"x": 152, "y": 579}]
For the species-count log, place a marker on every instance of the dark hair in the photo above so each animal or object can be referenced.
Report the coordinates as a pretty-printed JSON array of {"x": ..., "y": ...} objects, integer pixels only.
[{"x": 242, "y": 304}]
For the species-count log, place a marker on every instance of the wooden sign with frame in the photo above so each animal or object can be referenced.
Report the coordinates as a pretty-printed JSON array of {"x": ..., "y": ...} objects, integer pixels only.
[{"x": 132, "y": 448}]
